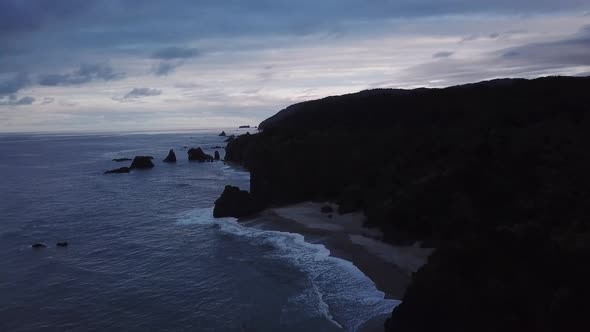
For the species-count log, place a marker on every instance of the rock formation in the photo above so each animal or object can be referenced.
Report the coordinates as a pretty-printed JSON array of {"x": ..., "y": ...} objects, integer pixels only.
[
  {"x": 142, "y": 162},
  {"x": 171, "y": 158},
  {"x": 38, "y": 245},
  {"x": 235, "y": 203},
  {"x": 121, "y": 159},
  {"x": 216, "y": 155},
  {"x": 198, "y": 155},
  {"x": 222, "y": 134},
  {"x": 118, "y": 170}
]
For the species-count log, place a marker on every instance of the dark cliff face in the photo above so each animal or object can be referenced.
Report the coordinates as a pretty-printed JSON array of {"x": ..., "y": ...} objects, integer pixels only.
[{"x": 448, "y": 166}]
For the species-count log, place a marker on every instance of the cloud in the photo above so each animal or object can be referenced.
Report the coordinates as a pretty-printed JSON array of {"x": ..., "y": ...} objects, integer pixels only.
[
  {"x": 165, "y": 67},
  {"x": 138, "y": 93},
  {"x": 12, "y": 100},
  {"x": 85, "y": 74},
  {"x": 14, "y": 84},
  {"x": 47, "y": 100},
  {"x": 174, "y": 53},
  {"x": 443, "y": 54},
  {"x": 172, "y": 58},
  {"x": 570, "y": 51}
]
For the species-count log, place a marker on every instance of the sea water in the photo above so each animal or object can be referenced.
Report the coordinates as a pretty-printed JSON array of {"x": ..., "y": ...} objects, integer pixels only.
[{"x": 145, "y": 253}]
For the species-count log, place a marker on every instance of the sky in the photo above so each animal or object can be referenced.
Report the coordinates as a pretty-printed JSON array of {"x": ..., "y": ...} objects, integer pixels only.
[{"x": 130, "y": 65}]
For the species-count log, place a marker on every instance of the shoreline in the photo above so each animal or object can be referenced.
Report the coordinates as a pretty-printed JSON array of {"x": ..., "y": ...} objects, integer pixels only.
[{"x": 389, "y": 267}]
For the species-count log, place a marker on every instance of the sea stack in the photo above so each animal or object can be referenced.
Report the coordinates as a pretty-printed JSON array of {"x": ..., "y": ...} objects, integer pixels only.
[
  {"x": 216, "y": 155},
  {"x": 198, "y": 155},
  {"x": 142, "y": 162},
  {"x": 171, "y": 158},
  {"x": 222, "y": 134},
  {"x": 236, "y": 203}
]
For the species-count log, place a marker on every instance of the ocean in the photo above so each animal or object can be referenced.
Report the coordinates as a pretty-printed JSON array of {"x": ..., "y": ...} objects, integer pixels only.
[{"x": 145, "y": 253}]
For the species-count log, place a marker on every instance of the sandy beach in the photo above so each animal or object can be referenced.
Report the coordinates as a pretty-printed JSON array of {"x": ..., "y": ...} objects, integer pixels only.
[{"x": 389, "y": 267}]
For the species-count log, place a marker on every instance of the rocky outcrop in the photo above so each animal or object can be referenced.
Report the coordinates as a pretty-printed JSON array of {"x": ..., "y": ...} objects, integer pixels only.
[
  {"x": 230, "y": 138},
  {"x": 38, "y": 245},
  {"x": 121, "y": 159},
  {"x": 216, "y": 155},
  {"x": 198, "y": 155},
  {"x": 223, "y": 134},
  {"x": 235, "y": 203},
  {"x": 494, "y": 174},
  {"x": 142, "y": 162},
  {"x": 171, "y": 158},
  {"x": 245, "y": 126},
  {"x": 62, "y": 244},
  {"x": 118, "y": 170}
]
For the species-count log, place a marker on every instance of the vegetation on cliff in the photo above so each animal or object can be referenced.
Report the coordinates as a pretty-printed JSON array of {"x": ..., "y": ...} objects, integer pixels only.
[{"x": 495, "y": 174}]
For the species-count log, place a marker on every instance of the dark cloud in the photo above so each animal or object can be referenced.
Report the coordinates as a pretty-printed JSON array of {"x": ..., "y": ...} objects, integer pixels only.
[
  {"x": 572, "y": 51},
  {"x": 444, "y": 54},
  {"x": 166, "y": 67},
  {"x": 142, "y": 92},
  {"x": 86, "y": 73},
  {"x": 14, "y": 84},
  {"x": 174, "y": 53},
  {"x": 13, "y": 100}
]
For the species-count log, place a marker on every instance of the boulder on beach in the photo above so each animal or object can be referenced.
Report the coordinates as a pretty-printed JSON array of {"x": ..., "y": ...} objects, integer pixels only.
[
  {"x": 62, "y": 244},
  {"x": 121, "y": 159},
  {"x": 38, "y": 245},
  {"x": 142, "y": 162},
  {"x": 222, "y": 134},
  {"x": 198, "y": 155},
  {"x": 171, "y": 158},
  {"x": 216, "y": 155},
  {"x": 118, "y": 170},
  {"x": 236, "y": 203}
]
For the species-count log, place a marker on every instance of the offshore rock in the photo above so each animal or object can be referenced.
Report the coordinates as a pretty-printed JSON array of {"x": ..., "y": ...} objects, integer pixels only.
[
  {"x": 235, "y": 203},
  {"x": 118, "y": 170},
  {"x": 171, "y": 158},
  {"x": 198, "y": 155},
  {"x": 142, "y": 162}
]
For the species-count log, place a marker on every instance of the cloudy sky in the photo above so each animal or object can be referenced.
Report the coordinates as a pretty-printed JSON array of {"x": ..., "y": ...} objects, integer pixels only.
[{"x": 103, "y": 65}]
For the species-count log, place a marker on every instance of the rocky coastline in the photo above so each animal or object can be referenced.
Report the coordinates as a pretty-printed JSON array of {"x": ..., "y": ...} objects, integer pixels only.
[{"x": 493, "y": 174}]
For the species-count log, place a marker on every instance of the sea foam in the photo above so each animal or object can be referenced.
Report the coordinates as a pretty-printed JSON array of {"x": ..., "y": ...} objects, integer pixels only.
[{"x": 337, "y": 289}]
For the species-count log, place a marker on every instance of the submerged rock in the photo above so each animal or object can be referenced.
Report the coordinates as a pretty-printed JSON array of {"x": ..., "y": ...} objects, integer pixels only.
[
  {"x": 216, "y": 155},
  {"x": 236, "y": 203},
  {"x": 171, "y": 158},
  {"x": 118, "y": 170},
  {"x": 121, "y": 159},
  {"x": 62, "y": 244},
  {"x": 142, "y": 162},
  {"x": 198, "y": 155},
  {"x": 38, "y": 245},
  {"x": 222, "y": 134}
]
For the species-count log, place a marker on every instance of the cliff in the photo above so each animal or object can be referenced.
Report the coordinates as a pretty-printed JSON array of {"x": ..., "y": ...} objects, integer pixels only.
[{"x": 493, "y": 173}]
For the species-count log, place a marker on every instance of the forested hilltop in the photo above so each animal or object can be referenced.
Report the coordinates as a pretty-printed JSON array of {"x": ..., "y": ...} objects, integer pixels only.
[{"x": 495, "y": 174}]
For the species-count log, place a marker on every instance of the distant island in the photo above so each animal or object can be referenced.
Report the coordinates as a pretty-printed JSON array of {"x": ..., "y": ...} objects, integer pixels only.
[
  {"x": 245, "y": 126},
  {"x": 495, "y": 175}
]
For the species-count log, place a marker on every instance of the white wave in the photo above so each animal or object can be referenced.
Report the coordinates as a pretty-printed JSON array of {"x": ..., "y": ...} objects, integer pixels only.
[{"x": 338, "y": 290}]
